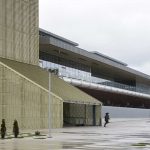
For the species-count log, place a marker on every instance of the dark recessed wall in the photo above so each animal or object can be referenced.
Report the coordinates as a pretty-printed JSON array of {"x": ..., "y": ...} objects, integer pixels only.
[{"x": 114, "y": 99}]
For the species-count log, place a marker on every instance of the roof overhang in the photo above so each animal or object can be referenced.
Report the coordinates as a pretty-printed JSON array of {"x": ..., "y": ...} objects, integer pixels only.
[{"x": 117, "y": 70}]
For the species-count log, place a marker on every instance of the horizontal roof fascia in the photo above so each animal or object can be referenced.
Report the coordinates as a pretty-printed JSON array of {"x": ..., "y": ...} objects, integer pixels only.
[
  {"x": 76, "y": 50},
  {"x": 47, "y": 33}
]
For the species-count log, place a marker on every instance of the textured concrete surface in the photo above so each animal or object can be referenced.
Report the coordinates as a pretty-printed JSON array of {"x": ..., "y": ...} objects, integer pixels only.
[{"x": 125, "y": 134}]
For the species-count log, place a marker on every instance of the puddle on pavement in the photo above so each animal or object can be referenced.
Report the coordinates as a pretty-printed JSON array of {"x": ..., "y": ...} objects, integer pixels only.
[
  {"x": 81, "y": 133},
  {"x": 75, "y": 145}
]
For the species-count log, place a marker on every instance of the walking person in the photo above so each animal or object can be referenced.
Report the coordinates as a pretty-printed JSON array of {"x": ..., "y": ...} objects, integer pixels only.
[
  {"x": 106, "y": 119},
  {"x": 15, "y": 129},
  {"x": 3, "y": 129}
]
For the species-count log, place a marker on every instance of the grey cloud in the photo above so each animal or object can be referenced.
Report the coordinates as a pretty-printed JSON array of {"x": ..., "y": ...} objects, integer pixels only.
[{"x": 118, "y": 28}]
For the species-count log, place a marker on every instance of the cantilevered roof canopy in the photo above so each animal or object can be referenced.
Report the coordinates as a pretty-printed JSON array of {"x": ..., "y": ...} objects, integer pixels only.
[
  {"x": 58, "y": 37},
  {"x": 109, "y": 66},
  {"x": 40, "y": 77}
]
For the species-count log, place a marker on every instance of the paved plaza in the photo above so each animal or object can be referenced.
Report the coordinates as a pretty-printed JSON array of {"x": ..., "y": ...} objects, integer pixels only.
[{"x": 125, "y": 134}]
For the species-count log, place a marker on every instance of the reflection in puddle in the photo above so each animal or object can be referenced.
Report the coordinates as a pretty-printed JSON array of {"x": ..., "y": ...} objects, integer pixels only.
[{"x": 75, "y": 145}]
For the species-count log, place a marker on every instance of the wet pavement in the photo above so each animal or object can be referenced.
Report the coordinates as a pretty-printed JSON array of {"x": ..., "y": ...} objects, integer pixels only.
[{"x": 125, "y": 134}]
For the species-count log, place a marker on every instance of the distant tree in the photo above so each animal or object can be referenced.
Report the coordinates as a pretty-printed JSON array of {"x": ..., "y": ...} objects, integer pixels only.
[
  {"x": 15, "y": 129},
  {"x": 3, "y": 129}
]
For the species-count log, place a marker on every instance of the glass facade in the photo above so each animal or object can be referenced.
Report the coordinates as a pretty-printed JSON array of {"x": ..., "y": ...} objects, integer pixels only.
[
  {"x": 65, "y": 71},
  {"x": 74, "y": 70}
]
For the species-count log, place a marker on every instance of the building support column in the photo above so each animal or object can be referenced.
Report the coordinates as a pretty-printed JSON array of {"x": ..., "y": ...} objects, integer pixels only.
[{"x": 94, "y": 115}]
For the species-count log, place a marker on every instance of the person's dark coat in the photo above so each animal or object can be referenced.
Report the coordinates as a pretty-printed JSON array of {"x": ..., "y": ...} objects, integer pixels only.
[{"x": 106, "y": 119}]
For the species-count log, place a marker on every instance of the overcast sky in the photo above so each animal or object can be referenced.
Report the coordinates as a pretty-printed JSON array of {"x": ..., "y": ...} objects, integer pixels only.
[{"x": 117, "y": 28}]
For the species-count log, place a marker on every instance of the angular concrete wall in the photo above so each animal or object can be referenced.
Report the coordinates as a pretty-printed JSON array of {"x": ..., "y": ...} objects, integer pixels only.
[
  {"x": 80, "y": 114},
  {"x": 89, "y": 115},
  {"x": 19, "y": 30},
  {"x": 23, "y": 100},
  {"x": 98, "y": 115}
]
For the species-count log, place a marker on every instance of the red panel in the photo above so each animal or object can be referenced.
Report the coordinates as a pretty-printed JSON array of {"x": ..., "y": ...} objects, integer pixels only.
[{"x": 114, "y": 99}]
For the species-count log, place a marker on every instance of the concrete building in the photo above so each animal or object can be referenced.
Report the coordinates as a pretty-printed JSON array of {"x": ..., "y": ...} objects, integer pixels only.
[
  {"x": 55, "y": 75},
  {"x": 107, "y": 79},
  {"x": 25, "y": 93}
]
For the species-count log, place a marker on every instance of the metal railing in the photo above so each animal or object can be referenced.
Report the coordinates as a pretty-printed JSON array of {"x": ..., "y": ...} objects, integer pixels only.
[{"x": 87, "y": 77}]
